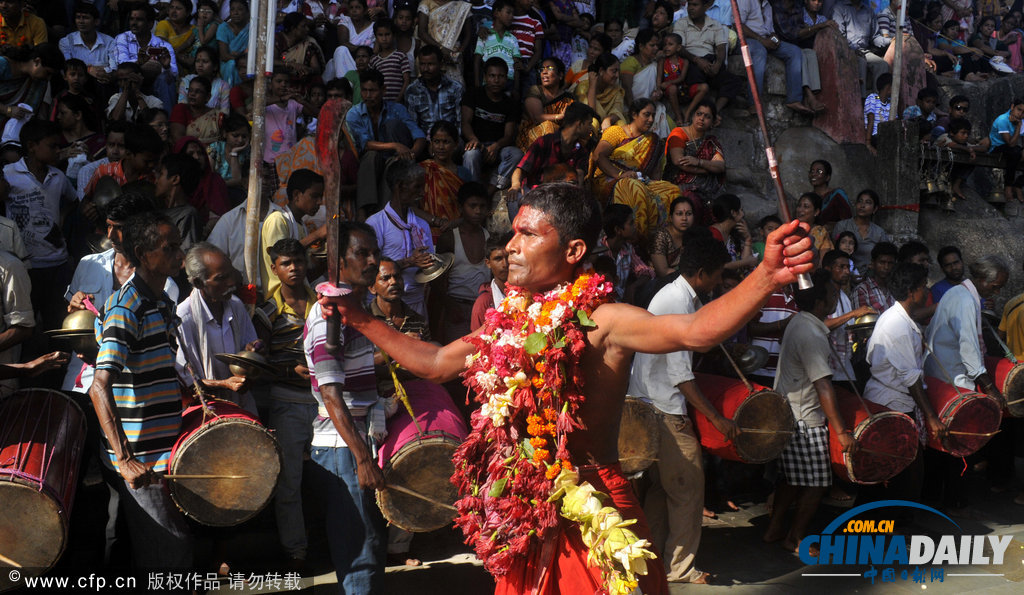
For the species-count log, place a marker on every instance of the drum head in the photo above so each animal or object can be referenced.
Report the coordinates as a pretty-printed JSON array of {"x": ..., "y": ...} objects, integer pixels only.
[
  {"x": 33, "y": 527},
  {"x": 770, "y": 414},
  {"x": 424, "y": 466},
  {"x": 976, "y": 415},
  {"x": 638, "y": 436},
  {"x": 1013, "y": 390},
  {"x": 228, "y": 446},
  {"x": 888, "y": 443}
]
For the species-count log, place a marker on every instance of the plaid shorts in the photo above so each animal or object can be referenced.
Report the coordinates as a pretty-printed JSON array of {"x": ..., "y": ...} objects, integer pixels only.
[{"x": 806, "y": 460}]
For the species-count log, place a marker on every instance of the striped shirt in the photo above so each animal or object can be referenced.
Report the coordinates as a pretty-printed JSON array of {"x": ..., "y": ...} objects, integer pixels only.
[
  {"x": 286, "y": 348},
  {"x": 135, "y": 344},
  {"x": 526, "y": 29},
  {"x": 352, "y": 368},
  {"x": 393, "y": 67}
]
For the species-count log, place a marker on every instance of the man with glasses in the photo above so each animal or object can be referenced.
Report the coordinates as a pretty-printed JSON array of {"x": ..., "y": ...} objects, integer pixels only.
[{"x": 959, "y": 105}]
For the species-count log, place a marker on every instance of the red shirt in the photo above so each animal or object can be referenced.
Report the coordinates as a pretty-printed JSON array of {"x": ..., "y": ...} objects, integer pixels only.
[{"x": 526, "y": 29}]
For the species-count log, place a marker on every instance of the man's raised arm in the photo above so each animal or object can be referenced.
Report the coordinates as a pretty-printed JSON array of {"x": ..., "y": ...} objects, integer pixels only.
[{"x": 634, "y": 329}]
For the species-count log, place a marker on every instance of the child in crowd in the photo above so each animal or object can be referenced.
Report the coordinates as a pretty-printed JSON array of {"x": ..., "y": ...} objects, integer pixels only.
[
  {"x": 924, "y": 109},
  {"x": 958, "y": 139},
  {"x": 283, "y": 109},
  {"x": 467, "y": 242},
  {"x": 765, "y": 226},
  {"x": 230, "y": 157},
  {"x": 362, "y": 57},
  {"x": 499, "y": 42},
  {"x": 876, "y": 109},
  {"x": 847, "y": 242},
  {"x": 393, "y": 64},
  {"x": 176, "y": 180},
  {"x": 671, "y": 73},
  {"x": 76, "y": 76},
  {"x": 491, "y": 294}
]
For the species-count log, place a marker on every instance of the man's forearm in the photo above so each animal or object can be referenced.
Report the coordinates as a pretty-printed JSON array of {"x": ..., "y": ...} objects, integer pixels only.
[
  {"x": 691, "y": 392},
  {"x": 341, "y": 417},
  {"x": 103, "y": 402},
  {"x": 425, "y": 360},
  {"x": 14, "y": 336}
]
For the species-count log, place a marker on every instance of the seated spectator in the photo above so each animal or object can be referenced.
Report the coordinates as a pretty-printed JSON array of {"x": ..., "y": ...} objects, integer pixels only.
[
  {"x": 1004, "y": 139},
  {"x": 380, "y": 129},
  {"x": 857, "y": 23},
  {"x": 233, "y": 42},
  {"x": 873, "y": 291},
  {"x": 622, "y": 45},
  {"x": 603, "y": 92},
  {"x": 783, "y": 20},
  {"x": 730, "y": 228},
  {"x": 958, "y": 139},
  {"x": 814, "y": 21},
  {"x": 876, "y": 110},
  {"x": 298, "y": 52},
  {"x": 207, "y": 65},
  {"x": 672, "y": 69},
  {"x": 284, "y": 106},
  {"x": 434, "y": 97},
  {"x": 695, "y": 160},
  {"x": 835, "y": 205},
  {"x": 206, "y": 25},
  {"x": 865, "y": 231},
  {"x": 765, "y": 226},
  {"x": 566, "y": 18},
  {"x": 176, "y": 180},
  {"x": 156, "y": 119},
  {"x": 88, "y": 44},
  {"x": 492, "y": 293},
  {"x": 405, "y": 34},
  {"x": 467, "y": 241},
  {"x": 639, "y": 71},
  {"x": 620, "y": 237},
  {"x": 705, "y": 44},
  {"x": 356, "y": 28},
  {"x": 500, "y": 42},
  {"x": 80, "y": 140},
  {"x": 808, "y": 208},
  {"x": 628, "y": 159},
  {"x": 1011, "y": 37},
  {"x": 230, "y": 157},
  {"x": 568, "y": 146},
  {"x": 761, "y": 39},
  {"x": 528, "y": 26},
  {"x": 924, "y": 109},
  {"x": 545, "y": 103},
  {"x": 155, "y": 56},
  {"x": 443, "y": 177},
  {"x": 580, "y": 69},
  {"x": 887, "y": 29},
  {"x": 985, "y": 42},
  {"x": 28, "y": 80},
  {"x": 113, "y": 151},
  {"x": 361, "y": 59},
  {"x": 76, "y": 77},
  {"x": 195, "y": 117},
  {"x": 210, "y": 198},
  {"x": 662, "y": 18},
  {"x": 847, "y": 242},
  {"x": 177, "y": 29},
  {"x": 952, "y": 264},
  {"x": 391, "y": 63},
  {"x": 447, "y": 25},
  {"x": 129, "y": 100},
  {"x": 668, "y": 240},
  {"x": 959, "y": 107},
  {"x": 489, "y": 119},
  {"x": 20, "y": 28}
]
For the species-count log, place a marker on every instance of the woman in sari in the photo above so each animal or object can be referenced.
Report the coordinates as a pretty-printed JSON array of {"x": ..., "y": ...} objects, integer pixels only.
[
  {"x": 808, "y": 208},
  {"x": 299, "y": 52},
  {"x": 603, "y": 92},
  {"x": 835, "y": 204},
  {"x": 544, "y": 104},
  {"x": 443, "y": 23},
  {"x": 178, "y": 31},
  {"x": 580, "y": 69},
  {"x": 695, "y": 160},
  {"x": 667, "y": 246},
  {"x": 355, "y": 28},
  {"x": 195, "y": 117},
  {"x": 639, "y": 74},
  {"x": 233, "y": 40},
  {"x": 444, "y": 177},
  {"x": 628, "y": 161}
]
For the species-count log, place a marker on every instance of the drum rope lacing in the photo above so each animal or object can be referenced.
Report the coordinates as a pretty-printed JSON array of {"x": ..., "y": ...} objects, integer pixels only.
[
  {"x": 750, "y": 389},
  {"x": 24, "y": 449}
]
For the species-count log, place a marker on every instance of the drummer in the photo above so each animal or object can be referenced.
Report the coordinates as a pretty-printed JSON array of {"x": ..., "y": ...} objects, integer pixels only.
[
  {"x": 675, "y": 503},
  {"x": 805, "y": 378},
  {"x": 896, "y": 356},
  {"x": 136, "y": 364},
  {"x": 213, "y": 321},
  {"x": 837, "y": 263}
]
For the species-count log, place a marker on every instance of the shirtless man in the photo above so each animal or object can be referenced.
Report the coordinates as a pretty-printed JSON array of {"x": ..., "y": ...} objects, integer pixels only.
[{"x": 555, "y": 229}]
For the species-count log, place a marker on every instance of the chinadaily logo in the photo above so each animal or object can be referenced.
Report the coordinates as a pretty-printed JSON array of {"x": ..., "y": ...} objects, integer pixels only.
[{"x": 879, "y": 553}]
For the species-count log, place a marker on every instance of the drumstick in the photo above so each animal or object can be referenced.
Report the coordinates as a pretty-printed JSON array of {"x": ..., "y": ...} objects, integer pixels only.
[
  {"x": 415, "y": 494},
  {"x": 760, "y": 431},
  {"x": 982, "y": 434},
  {"x": 728, "y": 356},
  {"x": 200, "y": 476},
  {"x": 5, "y": 560}
]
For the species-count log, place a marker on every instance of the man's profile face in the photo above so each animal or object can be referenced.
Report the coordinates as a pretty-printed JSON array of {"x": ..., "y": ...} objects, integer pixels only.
[
  {"x": 536, "y": 255},
  {"x": 358, "y": 266},
  {"x": 987, "y": 289},
  {"x": 921, "y": 259},
  {"x": 115, "y": 233},
  {"x": 707, "y": 282},
  {"x": 952, "y": 267},
  {"x": 919, "y": 296},
  {"x": 389, "y": 285},
  {"x": 167, "y": 257}
]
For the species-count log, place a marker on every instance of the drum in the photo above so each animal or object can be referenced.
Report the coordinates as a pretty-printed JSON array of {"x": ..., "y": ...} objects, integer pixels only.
[
  {"x": 976, "y": 415},
  {"x": 229, "y": 442},
  {"x": 765, "y": 412},
  {"x": 42, "y": 433},
  {"x": 1008, "y": 377},
  {"x": 887, "y": 439},
  {"x": 638, "y": 436},
  {"x": 421, "y": 463}
]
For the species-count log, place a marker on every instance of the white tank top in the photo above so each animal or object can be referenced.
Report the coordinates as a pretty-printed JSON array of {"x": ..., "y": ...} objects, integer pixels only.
[{"x": 465, "y": 278}]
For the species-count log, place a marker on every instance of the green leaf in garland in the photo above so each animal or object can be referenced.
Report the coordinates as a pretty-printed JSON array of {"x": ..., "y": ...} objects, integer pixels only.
[
  {"x": 528, "y": 448},
  {"x": 498, "y": 488},
  {"x": 535, "y": 343},
  {"x": 584, "y": 319}
]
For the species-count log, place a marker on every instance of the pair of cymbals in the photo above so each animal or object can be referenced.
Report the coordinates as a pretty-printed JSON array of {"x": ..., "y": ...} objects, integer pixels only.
[
  {"x": 440, "y": 265},
  {"x": 247, "y": 364}
]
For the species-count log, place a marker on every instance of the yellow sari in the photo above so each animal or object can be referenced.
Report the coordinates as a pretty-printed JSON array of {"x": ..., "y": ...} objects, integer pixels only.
[
  {"x": 610, "y": 103},
  {"x": 528, "y": 130},
  {"x": 649, "y": 200}
]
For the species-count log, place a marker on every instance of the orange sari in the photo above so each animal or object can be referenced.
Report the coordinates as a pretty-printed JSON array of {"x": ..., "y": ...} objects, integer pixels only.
[{"x": 439, "y": 194}]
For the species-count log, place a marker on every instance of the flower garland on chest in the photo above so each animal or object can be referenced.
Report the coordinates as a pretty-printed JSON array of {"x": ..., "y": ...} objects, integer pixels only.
[{"x": 514, "y": 473}]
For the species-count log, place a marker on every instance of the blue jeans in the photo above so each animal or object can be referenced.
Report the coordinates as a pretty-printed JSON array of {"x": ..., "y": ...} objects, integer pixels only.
[
  {"x": 293, "y": 426},
  {"x": 356, "y": 534},
  {"x": 160, "y": 536},
  {"x": 793, "y": 58},
  {"x": 508, "y": 159}
]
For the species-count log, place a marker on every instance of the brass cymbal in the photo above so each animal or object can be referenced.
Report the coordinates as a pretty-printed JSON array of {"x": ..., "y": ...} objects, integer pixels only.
[
  {"x": 248, "y": 364},
  {"x": 442, "y": 262}
]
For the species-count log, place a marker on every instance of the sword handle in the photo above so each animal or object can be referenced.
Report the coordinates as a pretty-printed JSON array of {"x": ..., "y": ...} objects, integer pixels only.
[{"x": 333, "y": 344}]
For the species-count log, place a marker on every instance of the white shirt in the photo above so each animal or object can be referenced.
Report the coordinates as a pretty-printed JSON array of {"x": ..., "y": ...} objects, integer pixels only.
[
  {"x": 11, "y": 241},
  {"x": 841, "y": 368},
  {"x": 129, "y": 111},
  {"x": 95, "y": 275},
  {"x": 229, "y": 235},
  {"x": 399, "y": 243},
  {"x": 72, "y": 46},
  {"x": 953, "y": 336},
  {"x": 756, "y": 15},
  {"x": 15, "y": 309},
  {"x": 655, "y": 377},
  {"x": 35, "y": 207},
  {"x": 896, "y": 355}
]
